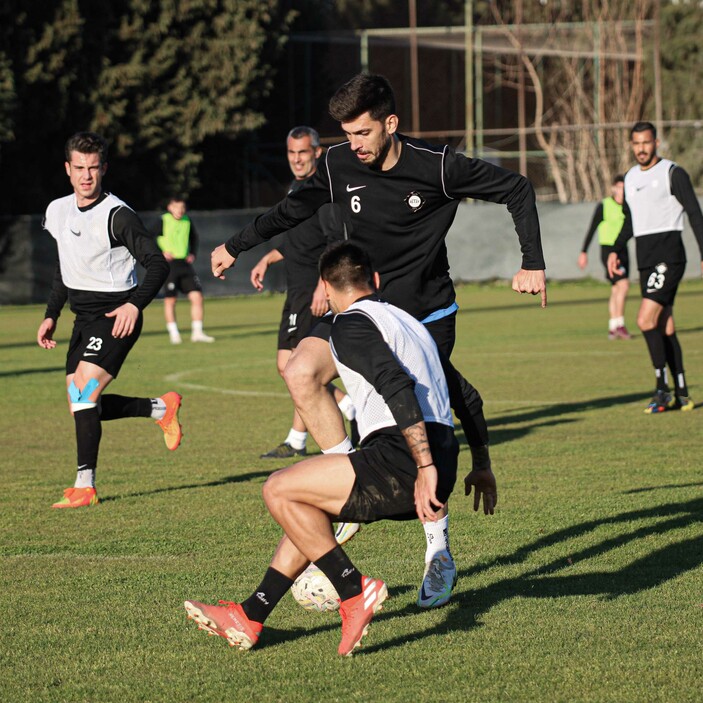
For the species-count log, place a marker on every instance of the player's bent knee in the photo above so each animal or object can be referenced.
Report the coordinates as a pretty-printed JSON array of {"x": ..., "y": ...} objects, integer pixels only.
[
  {"x": 80, "y": 398},
  {"x": 273, "y": 490},
  {"x": 299, "y": 375}
]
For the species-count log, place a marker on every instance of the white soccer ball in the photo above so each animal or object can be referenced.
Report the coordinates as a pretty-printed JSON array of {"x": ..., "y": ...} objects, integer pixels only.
[{"x": 314, "y": 591}]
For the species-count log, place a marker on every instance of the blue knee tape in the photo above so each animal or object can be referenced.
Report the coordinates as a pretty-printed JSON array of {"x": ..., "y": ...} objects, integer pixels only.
[{"x": 78, "y": 396}]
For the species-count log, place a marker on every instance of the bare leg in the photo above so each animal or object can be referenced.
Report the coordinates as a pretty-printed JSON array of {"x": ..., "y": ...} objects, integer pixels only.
[
  {"x": 618, "y": 295},
  {"x": 301, "y": 498},
  {"x": 309, "y": 370},
  {"x": 170, "y": 309},
  {"x": 196, "y": 305}
]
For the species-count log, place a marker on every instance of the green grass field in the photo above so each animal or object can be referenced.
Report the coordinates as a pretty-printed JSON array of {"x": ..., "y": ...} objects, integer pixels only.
[{"x": 586, "y": 585}]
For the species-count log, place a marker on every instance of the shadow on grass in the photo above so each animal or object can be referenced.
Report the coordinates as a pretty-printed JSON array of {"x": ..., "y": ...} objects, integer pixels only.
[
  {"x": 241, "y": 478},
  {"x": 549, "y": 580},
  {"x": 667, "y": 487},
  {"x": 553, "y": 580},
  {"x": 547, "y": 416},
  {"x": 239, "y": 331},
  {"x": 26, "y": 372}
]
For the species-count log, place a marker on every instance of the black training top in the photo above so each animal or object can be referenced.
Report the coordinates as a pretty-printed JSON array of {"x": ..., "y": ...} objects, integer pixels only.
[
  {"x": 402, "y": 216},
  {"x": 301, "y": 249}
]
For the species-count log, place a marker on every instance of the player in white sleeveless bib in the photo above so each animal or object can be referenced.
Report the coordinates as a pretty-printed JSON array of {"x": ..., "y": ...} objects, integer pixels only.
[
  {"x": 405, "y": 469},
  {"x": 657, "y": 194},
  {"x": 99, "y": 240}
]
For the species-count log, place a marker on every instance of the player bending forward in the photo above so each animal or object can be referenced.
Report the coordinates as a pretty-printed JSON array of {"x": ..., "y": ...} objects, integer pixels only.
[{"x": 406, "y": 465}]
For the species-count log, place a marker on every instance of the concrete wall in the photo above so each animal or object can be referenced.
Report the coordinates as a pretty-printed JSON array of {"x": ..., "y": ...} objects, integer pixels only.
[{"x": 482, "y": 246}]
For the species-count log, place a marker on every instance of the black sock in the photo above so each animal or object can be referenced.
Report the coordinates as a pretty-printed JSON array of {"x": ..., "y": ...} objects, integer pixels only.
[
  {"x": 88, "y": 433},
  {"x": 338, "y": 568},
  {"x": 657, "y": 352},
  {"x": 114, "y": 407},
  {"x": 265, "y": 598},
  {"x": 674, "y": 357}
]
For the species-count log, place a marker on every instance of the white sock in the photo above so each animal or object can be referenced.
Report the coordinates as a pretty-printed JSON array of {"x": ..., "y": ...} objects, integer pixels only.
[
  {"x": 196, "y": 326},
  {"x": 85, "y": 478},
  {"x": 347, "y": 407},
  {"x": 612, "y": 324},
  {"x": 172, "y": 328},
  {"x": 158, "y": 408},
  {"x": 296, "y": 439},
  {"x": 437, "y": 536},
  {"x": 344, "y": 447},
  {"x": 620, "y": 321}
]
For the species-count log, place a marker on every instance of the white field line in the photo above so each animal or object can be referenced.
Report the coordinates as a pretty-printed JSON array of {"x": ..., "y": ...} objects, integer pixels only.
[{"x": 179, "y": 376}]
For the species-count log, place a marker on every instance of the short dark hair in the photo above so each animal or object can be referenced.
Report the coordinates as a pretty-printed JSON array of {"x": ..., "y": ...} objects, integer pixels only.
[
  {"x": 346, "y": 265},
  {"x": 86, "y": 143},
  {"x": 618, "y": 179},
  {"x": 643, "y": 127},
  {"x": 304, "y": 131},
  {"x": 364, "y": 93},
  {"x": 176, "y": 198}
]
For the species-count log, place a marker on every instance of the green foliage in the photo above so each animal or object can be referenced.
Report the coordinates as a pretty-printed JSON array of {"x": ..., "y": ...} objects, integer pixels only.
[
  {"x": 682, "y": 64},
  {"x": 181, "y": 72},
  {"x": 584, "y": 587},
  {"x": 157, "y": 78}
]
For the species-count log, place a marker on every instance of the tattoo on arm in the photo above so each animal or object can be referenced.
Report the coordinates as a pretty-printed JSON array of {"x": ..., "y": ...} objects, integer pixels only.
[{"x": 416, "y": 437}]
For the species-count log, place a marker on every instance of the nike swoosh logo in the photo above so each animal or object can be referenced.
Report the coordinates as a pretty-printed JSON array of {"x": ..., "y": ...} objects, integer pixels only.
[
  {"x": 350, "y": 189},
  {"x": 640, "y": 188},
  {"x": 425, "y": 597},
  {"x": 292, "y": 329},
  {"x": 78, "y": 234},
  {"x": 89, "y": 354}
]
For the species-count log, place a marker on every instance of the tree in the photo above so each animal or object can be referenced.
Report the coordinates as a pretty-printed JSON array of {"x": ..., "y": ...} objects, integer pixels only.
[
  {"x": 570, "y": 88},
  {"x": 682, "y": 63},
  {"x": 157, "y": 78}
]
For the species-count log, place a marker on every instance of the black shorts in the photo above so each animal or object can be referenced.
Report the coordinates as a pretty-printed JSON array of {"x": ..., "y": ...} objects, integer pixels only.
[
  {"x": 384, "y": 488},
  {"x": 443, "y": 331},
  {"x": 296, "y": 319},
  {"x": 660, "y": 283},
  {"x": 322, "y": 329},
  {"x": 181, "y": 277},
  {"x": 624, "y": 264},
  {"x": 92, "y": 341}
]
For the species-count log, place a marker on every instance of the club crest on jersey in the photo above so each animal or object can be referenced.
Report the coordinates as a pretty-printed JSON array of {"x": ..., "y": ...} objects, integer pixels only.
[{"x": 414, "y": 201}]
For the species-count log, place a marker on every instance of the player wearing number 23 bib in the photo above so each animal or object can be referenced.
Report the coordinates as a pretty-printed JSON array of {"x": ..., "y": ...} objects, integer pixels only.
[{"x": 99, "y": 240}]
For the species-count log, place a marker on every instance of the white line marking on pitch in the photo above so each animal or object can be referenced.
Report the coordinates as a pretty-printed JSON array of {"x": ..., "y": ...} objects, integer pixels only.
[{"x": 178, "y": 378}]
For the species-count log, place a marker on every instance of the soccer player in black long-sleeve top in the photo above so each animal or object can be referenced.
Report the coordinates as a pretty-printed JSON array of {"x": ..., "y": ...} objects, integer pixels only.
[
  {"x": 401, "y": 195},
  {"x": 98, "y": 239},
  {"x": 305, "y": 300},
  {"x": 657, "y": 194}
]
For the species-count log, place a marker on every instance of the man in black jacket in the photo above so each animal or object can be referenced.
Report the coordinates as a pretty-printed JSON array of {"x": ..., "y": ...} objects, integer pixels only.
[{"x": 401, "y": 195}]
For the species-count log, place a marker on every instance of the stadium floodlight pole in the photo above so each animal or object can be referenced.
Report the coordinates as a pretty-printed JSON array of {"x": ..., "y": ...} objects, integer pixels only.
[
  {"x": 414, "y": 79},
  {"x": 469, "y": 75},
  {"x": 658, "y": 116}
]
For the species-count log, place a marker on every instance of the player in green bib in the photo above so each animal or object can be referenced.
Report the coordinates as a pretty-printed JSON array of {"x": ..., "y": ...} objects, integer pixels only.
[
  {"x": 179, "y": 243},
  {"x": 607, "y": 221}
]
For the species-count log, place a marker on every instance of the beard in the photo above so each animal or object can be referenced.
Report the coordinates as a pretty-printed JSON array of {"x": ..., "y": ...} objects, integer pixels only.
[{"x": 378, "y": 160}]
